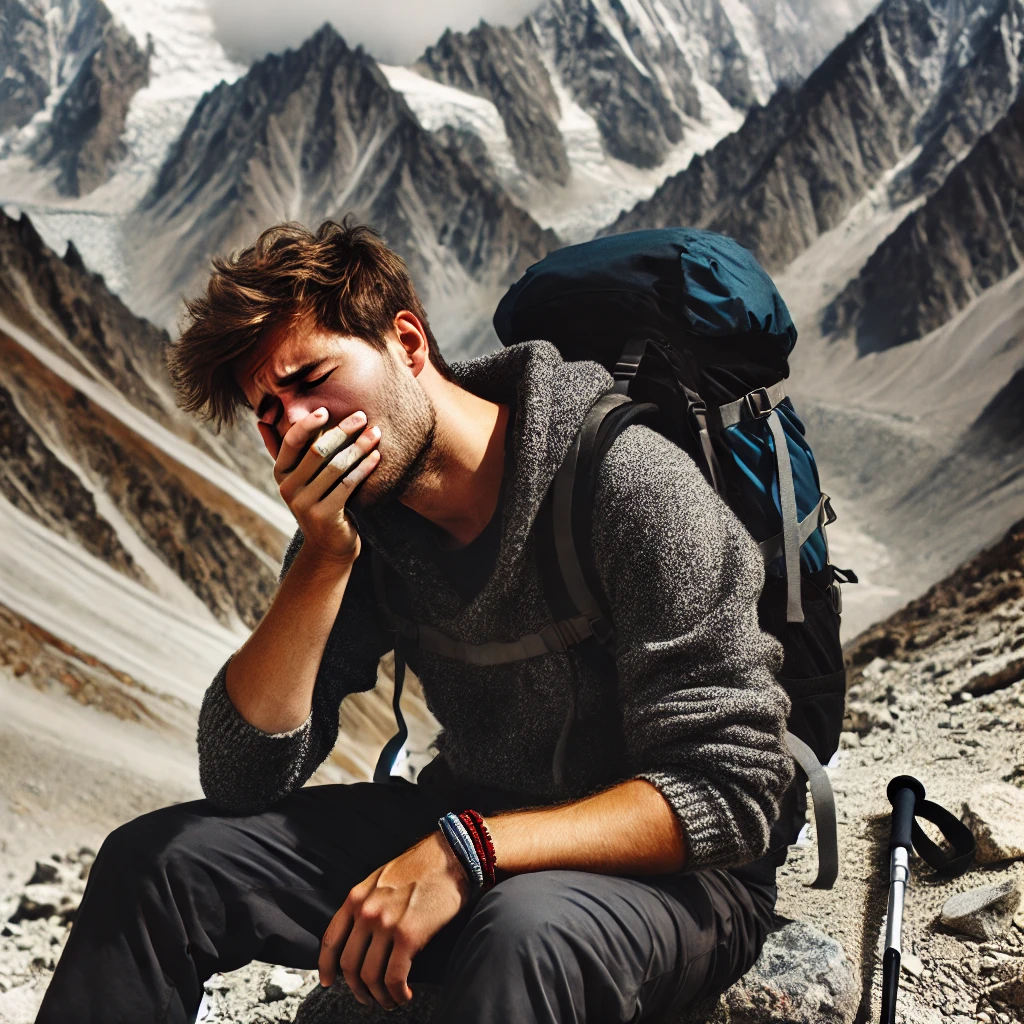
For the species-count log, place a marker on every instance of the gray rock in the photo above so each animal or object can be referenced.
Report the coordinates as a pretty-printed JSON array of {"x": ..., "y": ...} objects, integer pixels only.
[
  {"x": 912, "y": 965},
  {"x": 38, "y": 901},
  {"x": 281, "y": 984},
  {"x": 995, "y": 814},
  {"x": 337, "y": 1005},
  {"x": 802, "y": 976},
  {"x": 1009, "y": 986},
  {"x": 986, "y": 912},
  {"x": 46, "y": 873}
]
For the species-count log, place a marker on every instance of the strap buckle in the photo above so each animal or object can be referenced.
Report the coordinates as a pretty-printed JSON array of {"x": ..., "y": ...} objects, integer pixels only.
[{"x": 758, "y": 403}]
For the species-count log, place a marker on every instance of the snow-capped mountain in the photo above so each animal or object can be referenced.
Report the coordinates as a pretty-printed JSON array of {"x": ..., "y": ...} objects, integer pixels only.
[
  {"x": 590, "y": 104},
  {"x": 576, "y": 113},
  {"x": 318, "y": 133}
]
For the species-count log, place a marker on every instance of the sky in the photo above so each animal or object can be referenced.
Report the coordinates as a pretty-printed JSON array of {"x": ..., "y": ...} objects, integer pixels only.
[{"x": 394, "y": 31}]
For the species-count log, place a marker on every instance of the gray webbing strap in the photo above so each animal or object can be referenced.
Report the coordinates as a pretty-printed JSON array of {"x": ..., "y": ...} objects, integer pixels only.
[
  {"x": 556, "y": 637},
  {"x": 824, "y": 812},
  {"x": 565, "y": 547},
  {"x": 772, "y": 547},
  {"x": 753, "y": 405},
  {"x": 790, "y": 526}
]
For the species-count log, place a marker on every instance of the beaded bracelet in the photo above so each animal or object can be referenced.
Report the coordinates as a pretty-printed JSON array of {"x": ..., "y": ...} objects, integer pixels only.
[
  {"x": 473, "y": 847},
  {"x": 465, "y": 852},
  {"x": 485, "y": 845}
]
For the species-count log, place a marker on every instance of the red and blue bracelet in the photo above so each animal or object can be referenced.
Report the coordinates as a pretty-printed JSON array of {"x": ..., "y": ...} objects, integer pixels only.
[{"x": 471, "y": 842}]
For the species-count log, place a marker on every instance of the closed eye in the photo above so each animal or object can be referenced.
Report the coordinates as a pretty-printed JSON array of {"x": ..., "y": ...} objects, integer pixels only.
[{"x": 310, "y": 384}]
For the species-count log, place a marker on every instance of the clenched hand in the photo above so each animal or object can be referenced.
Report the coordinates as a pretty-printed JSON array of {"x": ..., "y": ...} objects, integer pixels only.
[{"x": 388, "y": 918}]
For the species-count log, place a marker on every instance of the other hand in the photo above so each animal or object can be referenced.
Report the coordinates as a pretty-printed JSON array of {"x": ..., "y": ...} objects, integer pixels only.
[{"x": 388, "y": 918}]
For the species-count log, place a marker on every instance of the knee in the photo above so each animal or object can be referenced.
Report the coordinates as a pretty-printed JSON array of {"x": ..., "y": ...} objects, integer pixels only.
[
  {"x": 153, "y": 843},
  {"x": 530, "y": 913}
]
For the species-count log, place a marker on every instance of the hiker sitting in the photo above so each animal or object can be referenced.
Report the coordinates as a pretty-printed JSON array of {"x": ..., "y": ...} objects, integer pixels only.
[{"x": 583, "y": 846}]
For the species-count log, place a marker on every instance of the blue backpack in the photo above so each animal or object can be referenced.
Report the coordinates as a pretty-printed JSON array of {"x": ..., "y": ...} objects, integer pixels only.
[{"x": 697, "y": 338}]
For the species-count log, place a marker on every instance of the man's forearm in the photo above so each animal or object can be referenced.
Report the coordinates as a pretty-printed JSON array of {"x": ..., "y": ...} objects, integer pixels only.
[
  {"x": 270, "y": 679},
  {"x": 629, "y": 829}
]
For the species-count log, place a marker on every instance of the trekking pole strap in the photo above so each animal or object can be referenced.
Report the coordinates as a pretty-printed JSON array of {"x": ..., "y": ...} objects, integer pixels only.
[
  {"x": 954, "y": 831},
  {"x": 824, "y": 811}
]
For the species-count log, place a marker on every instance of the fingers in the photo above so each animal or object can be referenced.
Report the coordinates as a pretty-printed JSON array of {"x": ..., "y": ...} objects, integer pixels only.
[
  {"x": 396, "y": 977},
  {"x": 340, "y": 464},
  {"x": 371, "y": 973},
  {"x": 352, "y": 957},
  {"x": 332, "y": 944},
  {"x": 335, "y": 501},
  {"x": 297, "y": 459}
]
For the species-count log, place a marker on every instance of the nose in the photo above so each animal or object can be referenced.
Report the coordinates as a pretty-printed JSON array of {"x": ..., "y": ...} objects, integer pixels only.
[{"x": 295, "y": 407}]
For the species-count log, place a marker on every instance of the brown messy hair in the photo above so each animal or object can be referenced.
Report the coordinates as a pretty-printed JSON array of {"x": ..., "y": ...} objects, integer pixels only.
[{"x": 343, "y": 278}]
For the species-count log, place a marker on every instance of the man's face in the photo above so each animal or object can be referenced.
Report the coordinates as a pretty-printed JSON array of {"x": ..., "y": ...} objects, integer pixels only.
[{"x": 298, "y": 369}]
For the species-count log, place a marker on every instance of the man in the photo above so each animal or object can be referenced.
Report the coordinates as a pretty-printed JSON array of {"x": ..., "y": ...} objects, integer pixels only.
[{"x": 625, "y": 812}]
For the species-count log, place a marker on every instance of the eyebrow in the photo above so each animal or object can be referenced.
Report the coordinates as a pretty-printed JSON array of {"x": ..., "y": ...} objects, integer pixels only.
[{"x": 289, "y": 378}]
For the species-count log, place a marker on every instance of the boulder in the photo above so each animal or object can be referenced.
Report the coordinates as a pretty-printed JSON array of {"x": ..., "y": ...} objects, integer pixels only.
[
  {"x": 984, "y": 913},
  {"x": 994, "y": 812},
  {"x": 802, "y": 977},
  {"x": 337, "y": 1005}
]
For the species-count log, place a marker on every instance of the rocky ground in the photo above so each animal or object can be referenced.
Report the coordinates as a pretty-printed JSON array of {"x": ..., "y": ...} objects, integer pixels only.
[{"x": 936, "y": 691}]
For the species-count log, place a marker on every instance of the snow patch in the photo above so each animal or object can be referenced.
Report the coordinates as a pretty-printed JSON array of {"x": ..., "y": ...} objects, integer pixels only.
[{"x": 436, "y": 106}]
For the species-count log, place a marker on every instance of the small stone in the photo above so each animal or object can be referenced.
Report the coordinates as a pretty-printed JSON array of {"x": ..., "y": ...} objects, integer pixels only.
[
  {"x": 865, "y": 717},
  {"x": 46, "y": 873},
  {"x": 987, "y": 964},
  {"x": 802, "y": 976},
  {"x": 281, "y": 984},
  {"x": 38, "y": 901},
  {"x": 994, "y": 812},
  {"x": 985, "y": 912},
  {"x": 912, "y": 964},
  {"x": 1009, "y": 987}
]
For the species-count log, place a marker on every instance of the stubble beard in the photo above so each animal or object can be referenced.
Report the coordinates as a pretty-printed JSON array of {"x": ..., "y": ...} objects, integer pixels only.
[{"x": 411, "y": 451}]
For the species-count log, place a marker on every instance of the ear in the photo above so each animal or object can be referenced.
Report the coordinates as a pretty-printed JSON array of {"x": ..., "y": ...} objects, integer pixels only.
[{"x": 413, "y": 339}]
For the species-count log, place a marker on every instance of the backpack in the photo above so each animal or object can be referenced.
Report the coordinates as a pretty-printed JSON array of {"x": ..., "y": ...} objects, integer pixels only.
[{"x": 697, "y": 338}]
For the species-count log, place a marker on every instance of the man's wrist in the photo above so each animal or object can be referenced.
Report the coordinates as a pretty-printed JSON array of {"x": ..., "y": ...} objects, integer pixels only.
[{"x": 449, "y": 865}]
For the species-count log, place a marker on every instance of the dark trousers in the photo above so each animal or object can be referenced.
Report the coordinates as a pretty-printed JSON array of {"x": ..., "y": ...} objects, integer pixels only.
[{"x": 187, "y": 891}]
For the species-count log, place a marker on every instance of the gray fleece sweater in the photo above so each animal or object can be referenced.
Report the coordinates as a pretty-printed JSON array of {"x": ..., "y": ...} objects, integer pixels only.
[{"x": 696, "y": 712}]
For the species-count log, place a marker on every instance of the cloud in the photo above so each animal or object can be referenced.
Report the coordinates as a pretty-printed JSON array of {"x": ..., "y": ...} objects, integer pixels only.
[{"x": 394, "y": 31}]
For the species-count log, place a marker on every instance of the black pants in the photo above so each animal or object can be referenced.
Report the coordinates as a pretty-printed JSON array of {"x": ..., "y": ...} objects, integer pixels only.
[{"x": 185, "y": 892}]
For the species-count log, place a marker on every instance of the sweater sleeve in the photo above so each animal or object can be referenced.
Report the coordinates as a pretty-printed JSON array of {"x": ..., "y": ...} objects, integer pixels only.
[
  {"x": 703, "y": 715},
  {"x": 245, "y": 770}
]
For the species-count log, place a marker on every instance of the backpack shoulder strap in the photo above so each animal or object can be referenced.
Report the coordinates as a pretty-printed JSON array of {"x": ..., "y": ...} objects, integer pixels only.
[{"x": 571, "y": 582}]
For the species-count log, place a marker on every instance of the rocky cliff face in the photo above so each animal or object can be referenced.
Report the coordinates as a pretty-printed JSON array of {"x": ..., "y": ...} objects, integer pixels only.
[
  {"x": 76, "y": 59},
  {"x": 498, "y": 65},
  {"x": 82, "y": 413},
  {"x": 41, "y": 47},
  {"x": 319, "y": 133},
  {"x": 641, "y": 69},
  {"x": 912, "y": 85},
  {"x": 964, "y": 239},
  {"x": 84, "y": 137}
]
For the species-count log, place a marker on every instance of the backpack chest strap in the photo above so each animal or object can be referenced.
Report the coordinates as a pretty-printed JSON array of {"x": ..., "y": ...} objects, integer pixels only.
[{"x": 558, "y": 636}]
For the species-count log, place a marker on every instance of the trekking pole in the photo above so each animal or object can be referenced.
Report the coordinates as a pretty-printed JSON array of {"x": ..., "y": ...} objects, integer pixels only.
[{"x": 904, "y": 792}]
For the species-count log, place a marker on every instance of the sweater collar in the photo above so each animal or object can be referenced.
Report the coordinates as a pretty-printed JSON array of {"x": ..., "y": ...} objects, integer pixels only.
[{"x": 551, "y": 398}]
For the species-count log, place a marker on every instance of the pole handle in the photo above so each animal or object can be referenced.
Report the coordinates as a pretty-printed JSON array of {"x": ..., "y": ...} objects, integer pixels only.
[{"x": 904, "y": 792}]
